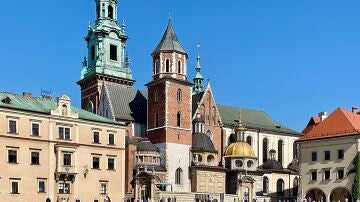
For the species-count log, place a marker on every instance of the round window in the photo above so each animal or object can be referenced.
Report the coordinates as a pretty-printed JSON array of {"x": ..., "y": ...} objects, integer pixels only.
[
  {"x": 210, "y": 158},
  {"x": 249, "y": 163},
  {"x": 238, "y": 163}
]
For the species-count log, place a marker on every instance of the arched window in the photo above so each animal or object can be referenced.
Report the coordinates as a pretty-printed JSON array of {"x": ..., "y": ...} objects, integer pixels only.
[
  {"x": 110, "y": 12},
  {"x": 280, "y": 151},
  {"x": 178, "y": 118},
  {"x": 265, "y": 185},
  {"x": 280, "y": 187},
  {"x": 179, "y": 95},
  {"x": 249, "y": 139},
  {"x": 178, "y": 176},
  {"x": 179, "y": 67},
  {"x": 90, "y": 107},
  {"x": 210, "y": 158},
  {"x": 167, "y": 65},
  {"x": 265, "y": 150}
]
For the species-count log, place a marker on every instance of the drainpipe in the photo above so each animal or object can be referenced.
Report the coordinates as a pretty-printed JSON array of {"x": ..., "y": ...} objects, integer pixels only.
[{"x": 258, "y": 147}]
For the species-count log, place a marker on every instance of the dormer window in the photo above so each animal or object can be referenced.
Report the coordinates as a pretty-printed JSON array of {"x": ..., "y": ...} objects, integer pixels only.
[{"x": 6, "y": 100}]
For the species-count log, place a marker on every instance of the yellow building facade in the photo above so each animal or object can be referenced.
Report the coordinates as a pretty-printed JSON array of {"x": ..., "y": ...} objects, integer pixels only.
[{"x": 50, "y": 151}]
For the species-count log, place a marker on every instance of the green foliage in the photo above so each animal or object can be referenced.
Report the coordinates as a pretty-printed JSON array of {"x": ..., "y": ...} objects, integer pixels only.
[{"x": 356, "y": 185}]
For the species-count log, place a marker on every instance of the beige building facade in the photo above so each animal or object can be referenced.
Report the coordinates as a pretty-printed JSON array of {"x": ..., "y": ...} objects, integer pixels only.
[
  {"x": 50, "y": 150},
  {"x": 328, "y": 148}
]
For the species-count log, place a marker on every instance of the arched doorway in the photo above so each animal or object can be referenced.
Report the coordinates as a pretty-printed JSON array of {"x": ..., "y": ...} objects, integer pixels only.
[
  {"x": 315, "y": 195},
  {"x": 340, "y": 194}
]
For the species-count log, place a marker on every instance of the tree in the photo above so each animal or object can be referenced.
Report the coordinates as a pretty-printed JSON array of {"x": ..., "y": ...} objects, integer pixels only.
[{"x": 356, "y": 185}]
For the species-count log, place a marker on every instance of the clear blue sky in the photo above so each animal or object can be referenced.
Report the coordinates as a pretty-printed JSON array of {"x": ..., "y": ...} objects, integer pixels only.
[{"x": 291, "y": 59}]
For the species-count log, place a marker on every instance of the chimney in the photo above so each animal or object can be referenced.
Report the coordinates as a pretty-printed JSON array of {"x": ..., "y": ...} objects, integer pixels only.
[
  {"x": 355, "y": 109},
  {"x": 47, "y": 97},
  {"x": 323, "y": 115},
  {"x": 26, "y": 94}
]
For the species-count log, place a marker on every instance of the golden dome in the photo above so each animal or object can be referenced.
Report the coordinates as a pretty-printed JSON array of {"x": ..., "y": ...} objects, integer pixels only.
[{"x": 239, "y": 149}]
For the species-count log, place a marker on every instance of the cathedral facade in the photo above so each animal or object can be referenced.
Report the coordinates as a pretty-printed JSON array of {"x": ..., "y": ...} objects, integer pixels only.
[{"x": 180, "y": 143}]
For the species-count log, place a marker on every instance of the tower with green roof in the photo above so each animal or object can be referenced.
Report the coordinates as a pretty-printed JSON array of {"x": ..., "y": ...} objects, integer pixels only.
[
  {"x": 106, "y": 60},
  {"x": 198, "y": 79}
]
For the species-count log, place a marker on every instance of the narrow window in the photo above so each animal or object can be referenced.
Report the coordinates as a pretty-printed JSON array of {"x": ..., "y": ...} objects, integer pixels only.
[
  {"x": 179, "y": 95},
  {"x": 96, "y": 163},
  {"x": 327, "y": 175},
  {"x": 340, "y": 174},
  {"x": 327, "y": 155},
  {"x": 156, "y": 96},
  {"x": 41, "y": 186},
  {"x": 340, "y": 154},
  {"x": 178, "y": 119},
  {"x": 96, "y": 137},
  {"x": 35, "y": 129},
  {"x": 179, "y": 67},
  {"x": 265, "y": 185},
  {"x": 67, "y": 159},
  {"x": 14, "y": 187},
  {"x": 265, "y": 150},
  {"x": 103, "y": 188},
  {"x": 92, "y": 53},
  {"x": 12, "y": 156},
  {"x": 35, "y": 158},
  {"x": 111, "y": 164},
  {"x": 280, "y": 151},
  {"x": 313, "y": 156},
  {"x": 178, "y": 176},
  {"x": 167, "y": 65},
  {"x": 314, "y": 175},
  {"x": 249, "y": 140},
  {"x": 280, "y": 187},
  {"x": 113, "y": 52},
  {"x": 103, "y": 12},
  {"x": 12, "y": 126},
  {"x": 110, "y": 12},
  {"x": 111, "y": 139}
]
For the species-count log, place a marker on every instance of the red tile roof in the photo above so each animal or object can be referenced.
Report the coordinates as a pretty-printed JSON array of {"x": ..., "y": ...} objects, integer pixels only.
[
  {"x": 313, "y": 122},
  {"x": 339, "y": 123}
]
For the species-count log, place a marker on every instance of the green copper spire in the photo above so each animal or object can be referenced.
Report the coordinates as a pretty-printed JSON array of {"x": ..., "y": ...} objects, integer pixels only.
[
  {"x": 106, "y": 42},
  {"x": 198, "y": 79}
]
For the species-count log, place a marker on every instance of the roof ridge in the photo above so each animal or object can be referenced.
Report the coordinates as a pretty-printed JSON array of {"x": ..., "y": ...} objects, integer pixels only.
[{"x": 346, "y": 117}]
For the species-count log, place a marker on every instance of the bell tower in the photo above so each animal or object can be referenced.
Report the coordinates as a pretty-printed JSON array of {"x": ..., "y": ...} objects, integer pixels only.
[
  {"x": 169, "y": 108},
  {"x": 106, "y": 60}
]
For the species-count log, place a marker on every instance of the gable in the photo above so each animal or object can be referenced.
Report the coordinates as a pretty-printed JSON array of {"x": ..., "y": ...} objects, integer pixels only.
[{"x": 204, "y": 103}]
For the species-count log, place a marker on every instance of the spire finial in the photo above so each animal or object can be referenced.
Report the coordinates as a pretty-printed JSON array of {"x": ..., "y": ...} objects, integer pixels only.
[
  {"x": 240, "y": 128},
  {"x": 170, "y": 18},
  {"x": 198, "y": 53}
]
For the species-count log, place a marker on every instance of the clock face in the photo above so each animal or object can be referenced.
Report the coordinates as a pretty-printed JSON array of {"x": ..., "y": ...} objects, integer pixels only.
[{"x": 238, "y": 163}]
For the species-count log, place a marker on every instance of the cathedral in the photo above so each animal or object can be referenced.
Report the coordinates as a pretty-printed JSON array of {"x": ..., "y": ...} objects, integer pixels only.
[{"x": 181, "y": 145}]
